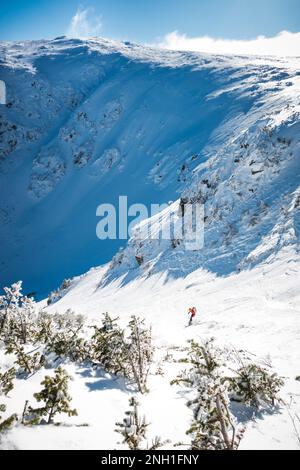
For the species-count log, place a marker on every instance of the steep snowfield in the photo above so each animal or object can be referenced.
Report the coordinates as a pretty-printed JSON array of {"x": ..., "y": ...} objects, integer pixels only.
[
  {"x": 86, "y": 121},
  {"x": 104, "y": 119}
]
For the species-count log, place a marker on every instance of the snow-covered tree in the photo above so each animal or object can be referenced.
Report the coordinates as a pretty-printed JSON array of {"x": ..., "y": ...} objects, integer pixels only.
[
  {"x": 28, "y": 362},
  {"x": 69, "y": 344},
  {"x": 44, "y": 328},
  {"x": 203, "y": 359},
  {"x": 61, "y": 334},
  {"x": 255, "y": 385},
  {"x": 17, "y": 314},
  {"x": 107, "y": 346},
  {"x": 129, "y": 355},
  {"x": 213, "y": 426},
  {"x": 6, "y": 381},
  {"x": 139, "y": 353},
  {"x": 6, "y": 385},
  {"x": 56, "y": 399},
  {"x": 26, "y": 318},
  {"x": 9, "y": 304},
  {"x": 80, "y": 350},
  {"x": 134, "y": 429},
  {"x": 68, "y": 320},
  {"x": 6, "y": 423},
  {"x": 59, "y": 293}
]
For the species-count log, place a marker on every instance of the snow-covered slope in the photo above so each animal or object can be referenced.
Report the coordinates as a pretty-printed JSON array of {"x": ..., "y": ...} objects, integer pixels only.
[
  {"x": 86, "y": 121},
  {"x": 255, "y": 310}
]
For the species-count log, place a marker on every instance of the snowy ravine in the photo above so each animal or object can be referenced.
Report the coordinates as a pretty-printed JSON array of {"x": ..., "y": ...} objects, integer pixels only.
[{"x": 87, "y": 121}]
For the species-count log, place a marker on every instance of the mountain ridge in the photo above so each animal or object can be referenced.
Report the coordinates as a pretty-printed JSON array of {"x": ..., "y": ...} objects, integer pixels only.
[{"x": 86, "y": 121}]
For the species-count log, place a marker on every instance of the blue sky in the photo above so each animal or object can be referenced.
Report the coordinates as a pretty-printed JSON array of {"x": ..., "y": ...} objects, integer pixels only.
[
  {"x": 150, "y": 20},
  {"x": 212, "y": 26}
]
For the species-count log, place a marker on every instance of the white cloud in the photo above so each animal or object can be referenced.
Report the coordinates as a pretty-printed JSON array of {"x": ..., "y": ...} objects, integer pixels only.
[
  {"x": 84, "y": 24},
  {"x": 283, "y": 44}
]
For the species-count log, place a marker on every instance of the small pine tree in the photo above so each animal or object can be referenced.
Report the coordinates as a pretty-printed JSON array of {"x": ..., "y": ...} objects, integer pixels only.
[
  {"x": 130, "y": 356},
  {"x": 6, "y": 381},
  {"x": 213, "y": 426},
  {"x": 60, "y": 343},
  {"x": 203, "y": 358},
  {"x": 17, "y": 314},
  {"x": 80, "y": 350},
  {"x": 62, "y": 336},
  {"x": 6, "y": 423},
  {"x": 55, "y": 397},
  {"x": 9, "y": 304},
  {"x": 134, "y": 429},
  {"x": 255, "y": 385},
  {"x": 27, "y": 362},
  {"x": 68, "y": 321},
  {"x": 6, "y": 385},
  {"x": 139, "y": 353},
  {"x": 25, "y": 324},
  {"x": 60, "y": 292},
  {"x": 107, "y": 346},
  {"x": 44, "y": 328}
]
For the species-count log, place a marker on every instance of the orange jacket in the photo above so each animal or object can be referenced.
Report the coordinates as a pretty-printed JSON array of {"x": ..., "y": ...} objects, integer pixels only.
[{"x": 192, "y": 311}]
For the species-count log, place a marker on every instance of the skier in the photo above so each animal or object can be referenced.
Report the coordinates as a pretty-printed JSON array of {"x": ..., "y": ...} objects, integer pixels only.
[{"x": 192, "y": 313}]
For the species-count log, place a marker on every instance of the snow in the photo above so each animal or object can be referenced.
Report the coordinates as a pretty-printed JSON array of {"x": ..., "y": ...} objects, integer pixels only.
[
  {"x": 256, "y": 310},
  {"x": 104, "y": 119},
  {"x": 142, "y": 115}
]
